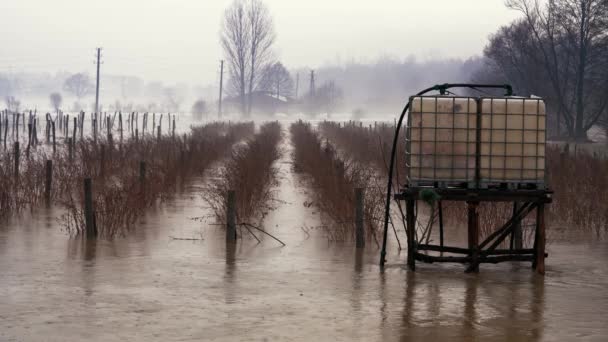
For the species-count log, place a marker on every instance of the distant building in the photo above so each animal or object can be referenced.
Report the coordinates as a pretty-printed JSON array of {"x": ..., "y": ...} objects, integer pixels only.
[{"x": 262, "y": 103}]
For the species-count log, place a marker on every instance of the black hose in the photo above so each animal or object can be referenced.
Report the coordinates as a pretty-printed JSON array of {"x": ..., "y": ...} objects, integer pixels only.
[{"x": 442, "y": 89}]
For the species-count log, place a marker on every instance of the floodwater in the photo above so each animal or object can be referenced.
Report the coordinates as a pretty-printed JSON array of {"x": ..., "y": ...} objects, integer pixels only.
[{"x": 149, "y": 286}]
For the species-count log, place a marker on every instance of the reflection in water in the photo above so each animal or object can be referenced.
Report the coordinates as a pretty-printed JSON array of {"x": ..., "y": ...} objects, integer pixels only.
[
  {"x": 230, "y": 273},
  {"x": 470, "y": 302},
  {"x": 458, "y": 307},
  {"x": 81, "y": 248},
  {"x": 537, "y": 307},
  {"x": 357, "y": 280},
  {"x": 408, "y": 306}
]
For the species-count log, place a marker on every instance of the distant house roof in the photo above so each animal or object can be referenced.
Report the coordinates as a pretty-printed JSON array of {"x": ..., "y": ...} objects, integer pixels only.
[{"x": 262, "y": 102}]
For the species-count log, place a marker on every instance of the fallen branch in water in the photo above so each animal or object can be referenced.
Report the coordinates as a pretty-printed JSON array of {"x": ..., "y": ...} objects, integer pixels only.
[
  {"x": 248, "y": 225},
  {"x": 185, "y": 239},
  {"x": 250, "y": 232}
]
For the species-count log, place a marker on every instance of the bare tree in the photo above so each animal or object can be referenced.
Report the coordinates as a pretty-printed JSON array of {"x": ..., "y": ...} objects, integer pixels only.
[
  {"x": 247, "y": 36},
  {"x": 571, "y": 37},
  {"x": 78, "y": 84},
  {"x": 235, "y": 39},
  {"x": 277, "y": 81},
  {"x": 56, "y": 100},
  {"x": 262, "y": 39}
]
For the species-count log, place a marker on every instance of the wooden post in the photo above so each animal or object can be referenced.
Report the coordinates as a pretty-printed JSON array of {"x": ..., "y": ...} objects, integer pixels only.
[
  {"x": 35, "y": 132},
  {"x": 53, "y": 132},
  {"x": 67, "y": 126},
  {"x": 70, "y": 149},
  {"x": 359, "y": 231},
  {"x": 158, "y": 133},
  {"x": 540, "y": 239},
  {"x": 440, "y": 223},
  {"x": 231, "y": 216},
  {"x": 108, "y": 128},
  {"x": 74, "y": 130},
  {"x": 473, "y": 232},
  {"x": 29, "y": 140},
  {"x": 81, "y": 126},
  {"x": 411, "y": 234},
  {"x": 95, "y": 130},
  {"x": 49, "y": 179},
  {"x": 16, "y": 159},
  {"x": 16, "y": 127},
  {"x": 89, "y": 214},
  {"x": 120, "y": 125},
  {"x": 5, "y": 131},
  {"x": 516, "y": 236}
]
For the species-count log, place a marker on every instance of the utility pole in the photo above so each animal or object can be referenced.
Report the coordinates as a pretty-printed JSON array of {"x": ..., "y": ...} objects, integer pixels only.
[
  {"x": 297, "y": 84},
  {"x": 312, "y": 83},
  {"x": 278, "y": 88},
  {"x": 97, "y": 82},
  {"x": 219, "y": 105}
]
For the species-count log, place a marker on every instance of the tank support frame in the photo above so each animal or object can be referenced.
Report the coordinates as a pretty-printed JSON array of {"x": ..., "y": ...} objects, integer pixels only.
[{"x": 486, "y": 251}]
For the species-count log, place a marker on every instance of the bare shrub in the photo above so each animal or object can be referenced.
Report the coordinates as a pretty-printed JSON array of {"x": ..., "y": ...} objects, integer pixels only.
[
  {"x": 334, "y": 181},
  {"x": 250, "y": 172}
]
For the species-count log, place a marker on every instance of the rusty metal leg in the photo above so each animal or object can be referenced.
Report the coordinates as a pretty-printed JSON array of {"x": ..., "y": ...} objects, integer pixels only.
[
  {"x": 540, "y": 239},
  {"x": 473, "y": 231},
  {"x": 411, "y": 234}
]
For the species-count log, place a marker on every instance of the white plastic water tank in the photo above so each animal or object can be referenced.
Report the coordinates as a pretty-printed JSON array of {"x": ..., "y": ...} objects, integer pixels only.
[
  {"x": 441, "y": 139},
  {"x": 513, "y": 136}
]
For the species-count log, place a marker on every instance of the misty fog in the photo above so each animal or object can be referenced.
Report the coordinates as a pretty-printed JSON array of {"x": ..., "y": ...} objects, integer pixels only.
[{"x": 165, "y": 54}]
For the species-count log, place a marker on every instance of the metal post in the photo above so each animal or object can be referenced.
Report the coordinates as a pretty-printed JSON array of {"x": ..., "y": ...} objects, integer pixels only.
[
  {"x": 359, "y": 231},
  {"x": 231, "y": 216}
]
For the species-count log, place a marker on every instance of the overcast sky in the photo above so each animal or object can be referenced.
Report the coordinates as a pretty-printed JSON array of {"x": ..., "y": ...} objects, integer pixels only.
[{"x": 178, "y": 40}]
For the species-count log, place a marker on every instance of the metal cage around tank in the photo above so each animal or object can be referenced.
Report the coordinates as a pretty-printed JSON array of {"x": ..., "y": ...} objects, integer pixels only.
[{"x": 469, "y": 142}]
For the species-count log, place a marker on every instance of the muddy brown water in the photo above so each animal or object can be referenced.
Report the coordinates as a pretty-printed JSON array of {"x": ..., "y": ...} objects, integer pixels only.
[{"x": 150, "y": 287}]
